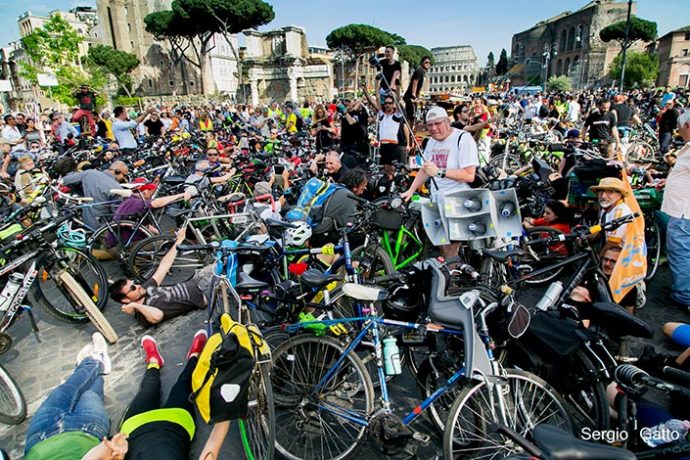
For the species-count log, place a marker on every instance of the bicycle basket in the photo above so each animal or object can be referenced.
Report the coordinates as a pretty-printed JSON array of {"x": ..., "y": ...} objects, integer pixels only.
[{"x": 385, "y": 219}]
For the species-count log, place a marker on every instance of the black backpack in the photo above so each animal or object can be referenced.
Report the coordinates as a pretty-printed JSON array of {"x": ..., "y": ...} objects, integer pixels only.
[{"x": 299, "y": 124}]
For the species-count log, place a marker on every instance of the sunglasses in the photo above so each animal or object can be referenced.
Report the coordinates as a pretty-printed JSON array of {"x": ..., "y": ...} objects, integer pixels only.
[
  {"x": 388, "y": 103},
  {"x": 212, "y": 154},
  {"x": 609, "y": 260}
]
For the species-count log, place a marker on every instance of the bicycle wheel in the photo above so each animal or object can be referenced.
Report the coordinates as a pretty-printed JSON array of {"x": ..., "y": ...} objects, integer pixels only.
[
  {"x": 12, "y": 403},
  {"x": 371, "y": 266},
  {"x": 638, "y": 151},
  {"x": 258, "y": 429},
  {"x": 652, "y": 238},
  {"x": 507, "y": 163},
  {"x": 115, "y": 241},
  {"x": 81, "y": 298},
  {"x": 517, "y": 399},
  {"x": 147, "y": 254},
  {"x": 541, "y": 255},
  {"x": 319, "y": 424},
  {"x": 86, "y": 272}
]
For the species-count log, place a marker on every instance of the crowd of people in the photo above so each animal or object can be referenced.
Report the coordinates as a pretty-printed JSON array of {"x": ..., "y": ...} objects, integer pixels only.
[{"x": 350, "y": 134}]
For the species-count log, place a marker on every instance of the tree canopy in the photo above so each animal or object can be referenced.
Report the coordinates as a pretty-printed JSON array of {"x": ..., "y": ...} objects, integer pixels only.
[
  {"x": 414, "y": 54},
  {"x": 561, "y": 83},
  {"x": 117, "y": 63},
  {"x": 490, "y": 60},
  {"x": 360, "y": 38},
  {"x": 641, "y": 69},
  {"x": 53, "y": 45},
  {"x": 640, "y": 29}
]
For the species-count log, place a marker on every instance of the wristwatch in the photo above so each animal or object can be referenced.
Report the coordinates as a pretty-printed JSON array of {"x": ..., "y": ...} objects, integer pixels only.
[{"x": 441, "y": 173}]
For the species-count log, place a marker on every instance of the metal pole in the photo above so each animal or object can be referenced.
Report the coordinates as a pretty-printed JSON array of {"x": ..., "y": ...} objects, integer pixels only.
[{"x": 625, "y": 43}]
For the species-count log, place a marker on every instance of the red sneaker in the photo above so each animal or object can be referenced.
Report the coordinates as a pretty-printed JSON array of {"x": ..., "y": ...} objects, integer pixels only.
[
  {"x": 150, "y": 347},
  {"x": 198, "y": 343}
]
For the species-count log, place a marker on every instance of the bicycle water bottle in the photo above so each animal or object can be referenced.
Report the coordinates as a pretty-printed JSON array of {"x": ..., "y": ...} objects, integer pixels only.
[
  {"x": 391, "y": 356},
  {"x": 11, "y": 288},
  {"x": 550, "y": 295},
  {"x": 477, "y": 228},
  {"x": 664, "y": 433},
  {"x": 472, "y": 204},
  {"x": 508, "y": 209}
]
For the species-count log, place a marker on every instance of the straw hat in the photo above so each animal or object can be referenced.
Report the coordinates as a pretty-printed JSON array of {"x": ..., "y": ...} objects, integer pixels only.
[{"x": 611, "y": 183}]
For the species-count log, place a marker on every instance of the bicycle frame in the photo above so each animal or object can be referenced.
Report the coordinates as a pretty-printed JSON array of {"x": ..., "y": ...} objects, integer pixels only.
[
  {"x": 395, "y": 251},
  {"x": 372, "y": 325}
]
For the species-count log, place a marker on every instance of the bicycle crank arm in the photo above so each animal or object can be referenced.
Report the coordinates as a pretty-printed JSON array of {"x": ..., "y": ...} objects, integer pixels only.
[{"x": 423, "y": 439}]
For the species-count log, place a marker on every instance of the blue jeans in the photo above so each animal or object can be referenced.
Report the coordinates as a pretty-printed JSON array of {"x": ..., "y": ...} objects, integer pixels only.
[
  {"x": 76, "y": 405},
  {"x": 665, "y": 142},
  {"x": 678, "y": 252}
]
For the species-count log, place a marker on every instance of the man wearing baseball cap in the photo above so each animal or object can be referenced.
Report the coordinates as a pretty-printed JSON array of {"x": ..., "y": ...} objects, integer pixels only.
[
  {"x": 610, "y": 193},
  {"x": 450, "y": 159},
  {"x": 141, "y": 200}
]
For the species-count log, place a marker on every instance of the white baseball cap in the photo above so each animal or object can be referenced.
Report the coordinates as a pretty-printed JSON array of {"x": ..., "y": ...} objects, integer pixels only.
[{"x": 435, "y": 114}]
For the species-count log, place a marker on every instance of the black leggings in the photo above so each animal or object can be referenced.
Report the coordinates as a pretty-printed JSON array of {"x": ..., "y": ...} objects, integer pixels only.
[{"x": 149, "y": 396}]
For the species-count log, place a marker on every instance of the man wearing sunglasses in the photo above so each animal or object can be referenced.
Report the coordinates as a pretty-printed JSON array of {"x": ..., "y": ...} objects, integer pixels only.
[
  {"x": 97, "y": 185},
  {"x": 123, "y": 126}
]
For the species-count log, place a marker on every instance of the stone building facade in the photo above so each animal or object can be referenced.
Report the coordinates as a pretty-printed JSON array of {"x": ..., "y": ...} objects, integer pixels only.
[
  {"x": 569, "y": 44},
  {"x": 121, "y": 25},
  {"x": 280, "y": 67},
  {"x": 673, "y": 50},
  {"x": 455, "y": 68}
]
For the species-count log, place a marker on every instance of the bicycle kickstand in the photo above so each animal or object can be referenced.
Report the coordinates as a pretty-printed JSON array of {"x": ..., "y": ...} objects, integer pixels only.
[{"x": 34, "y": 326}]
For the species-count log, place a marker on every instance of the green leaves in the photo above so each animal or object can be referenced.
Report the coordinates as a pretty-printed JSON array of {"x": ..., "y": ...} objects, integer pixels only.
[
  {"x": 414, "y": 54},
  {"x": 54, "y": 45},
  {"x": 360, "y": 38},
  {"x": 502, "y": 65},
  {"x": 117, "y": 63},
  {"x": 561, "y": 83},
  {"x": 641, "y": 69},
  {"x": 640, "y": 29}
]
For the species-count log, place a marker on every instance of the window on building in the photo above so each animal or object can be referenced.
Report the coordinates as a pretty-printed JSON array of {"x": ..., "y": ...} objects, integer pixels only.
[
  {"x": 447, "y": 80},
  {"x": 191, "y": 83},
  {"x": 171, "y": 83},
  {"x": 125, "y": 11},
  {"x": 131, "y": 44},
  {"x": 571, "y": 38},
  {"x": 563, "y": 42},
  {"x": 684, "y": 75},
  {"x": 566, "y": 67},
  {"x": 559, "y": 67},
  {"x": 685, "y": 52},
  {"x": 452, "y": 78},
  {"x": 150, "y": 83},
  {"x": 129, "y": 27},
  {"x": 687, "y": 36}
]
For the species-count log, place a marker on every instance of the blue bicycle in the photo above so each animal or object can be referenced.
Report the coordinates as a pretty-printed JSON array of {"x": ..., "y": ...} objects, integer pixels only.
[{"x": 324, "y": 396}]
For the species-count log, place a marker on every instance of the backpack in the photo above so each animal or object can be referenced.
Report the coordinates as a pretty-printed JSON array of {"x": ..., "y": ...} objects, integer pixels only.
[
  {"x": 312, "y": 201},
  {"x": 220, "y": 381}
]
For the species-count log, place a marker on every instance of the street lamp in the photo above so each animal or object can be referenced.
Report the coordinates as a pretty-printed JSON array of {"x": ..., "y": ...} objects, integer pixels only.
[{"x": 550, "y": 51}]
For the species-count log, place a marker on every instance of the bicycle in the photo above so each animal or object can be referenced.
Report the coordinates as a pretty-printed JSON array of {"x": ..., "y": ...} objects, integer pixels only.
[
  {"x": 257, "y": 430},
  {"x": 324, "y": 395},
  {"x": 74, "y": 285}
]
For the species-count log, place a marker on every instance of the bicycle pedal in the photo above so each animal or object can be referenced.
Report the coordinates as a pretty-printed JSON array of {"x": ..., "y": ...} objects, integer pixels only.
[{"x": 421, "y": 438}]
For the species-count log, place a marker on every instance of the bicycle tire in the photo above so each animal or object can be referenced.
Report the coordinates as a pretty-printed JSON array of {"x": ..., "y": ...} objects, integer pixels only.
[
  {"x": 640, "y": 150},
  {"x": 299, "y": 364},
  {"x": 146, "y": 255},
  {"x": 11, "y": 395},
  {"x": 93, "y": 280},
  {"x": 258, "y": 439},
  {"x": 546, "y": 254},
  {"x": 95, "y": 315},
  {"x": 652, "y": 236},
  {"x": 512, "y": 163},
  {"x": 380, "y": 264},
  {"x": 101, "y": 250},
  {"x": 467, "y": 410}
]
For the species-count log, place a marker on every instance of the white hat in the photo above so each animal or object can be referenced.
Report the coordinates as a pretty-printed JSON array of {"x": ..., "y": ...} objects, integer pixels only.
[{"x": 436, "y": 113}]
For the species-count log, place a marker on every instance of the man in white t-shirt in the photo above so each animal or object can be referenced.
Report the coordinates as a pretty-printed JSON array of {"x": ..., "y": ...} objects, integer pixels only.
[{"x": 450, "y": 159}]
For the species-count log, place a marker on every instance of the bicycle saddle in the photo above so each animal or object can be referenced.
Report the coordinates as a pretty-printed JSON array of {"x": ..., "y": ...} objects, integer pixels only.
[
  {"x": 174, "y": 180},
  {"x": 279, "y": 224},
  {"x": 617, "y": 320},
  {"x": 365, "y": 293},
  {"x": 247, "y": 283},
  {"x": 315, "y": 279},
  {"x": 561, "y": 445},
  {"x": 502, "y": 256}
]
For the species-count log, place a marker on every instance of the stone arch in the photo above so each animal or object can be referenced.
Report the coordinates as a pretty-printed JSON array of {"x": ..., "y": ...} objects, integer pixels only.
[
  {"x": 571, "y": 38},
  {"x": 559, "y": 67},
  {"x": 566, "y": 67},
  {"x": 563, "y": 40}
]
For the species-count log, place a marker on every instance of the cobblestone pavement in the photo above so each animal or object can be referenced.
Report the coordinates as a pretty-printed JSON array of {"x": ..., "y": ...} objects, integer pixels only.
[{"x": 39, "y": 367}]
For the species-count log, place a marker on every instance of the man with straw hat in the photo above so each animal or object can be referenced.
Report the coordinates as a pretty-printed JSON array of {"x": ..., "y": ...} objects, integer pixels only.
[{"x": 610, "y": 194}]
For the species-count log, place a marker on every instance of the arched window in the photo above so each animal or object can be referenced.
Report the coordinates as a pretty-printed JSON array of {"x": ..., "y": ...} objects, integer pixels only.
[
  {"x": 580, "y": 36},
  {"x": 571, "y": 38},
  {"x": 566, "y": 68},
  {"x": 559, "y": 67},
  {"x": 464, "y": 78},
  {"x": 452, "y": 78},
  {"x": 563, "y": 41}
]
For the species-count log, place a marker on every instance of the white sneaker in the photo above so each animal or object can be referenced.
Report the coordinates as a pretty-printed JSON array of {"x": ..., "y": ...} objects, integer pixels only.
[
  {"x": 100, "y": 351},
  {"x": 85, "y": 352}
]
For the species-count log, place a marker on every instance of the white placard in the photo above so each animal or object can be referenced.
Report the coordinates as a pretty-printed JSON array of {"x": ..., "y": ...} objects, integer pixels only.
[{"x": 5, "y": 86}]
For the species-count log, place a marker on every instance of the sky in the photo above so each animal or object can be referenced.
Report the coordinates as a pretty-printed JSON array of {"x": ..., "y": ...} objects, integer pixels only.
[{"x": 485, "y": 25}]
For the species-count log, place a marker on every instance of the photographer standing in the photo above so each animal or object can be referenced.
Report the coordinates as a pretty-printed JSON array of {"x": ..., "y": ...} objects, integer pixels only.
[
  {"x": 390, "y": 74},
  {"x": 353, "y": 130},
  {"x": 415, "y": 87}
]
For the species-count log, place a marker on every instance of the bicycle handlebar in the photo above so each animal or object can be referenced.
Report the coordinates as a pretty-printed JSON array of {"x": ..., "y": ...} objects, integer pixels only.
[
  {"x": 634, "y": 376},
  {"x": 581, "y": 232},
  {"x": 217, "y": 247}
]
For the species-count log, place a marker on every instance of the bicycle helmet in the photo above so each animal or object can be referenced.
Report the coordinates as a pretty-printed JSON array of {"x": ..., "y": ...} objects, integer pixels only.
[
  {"x": 71, "y": 238},
  {"x": 573, "y": 134},
  {"x": 403, "y": 304},
  {"x": 299, "y": 235}
]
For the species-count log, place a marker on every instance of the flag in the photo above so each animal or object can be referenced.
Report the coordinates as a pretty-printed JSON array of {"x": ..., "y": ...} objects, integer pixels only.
[{"x": 631, "y": 267}]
